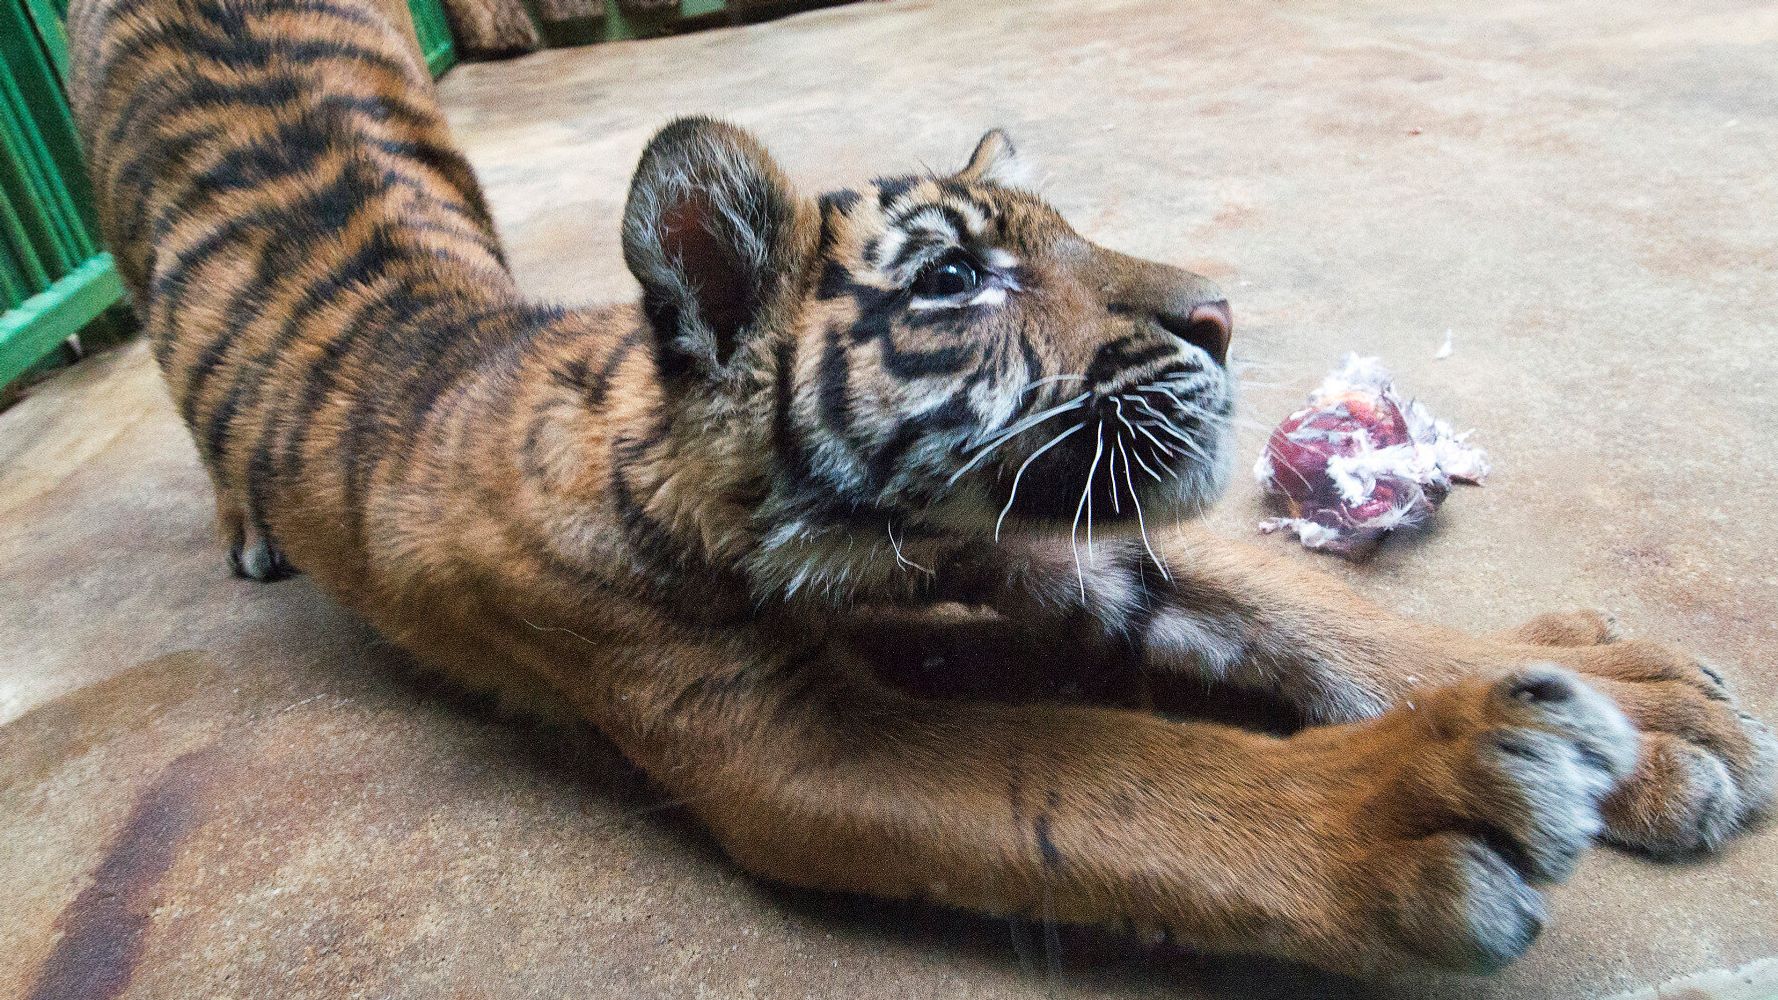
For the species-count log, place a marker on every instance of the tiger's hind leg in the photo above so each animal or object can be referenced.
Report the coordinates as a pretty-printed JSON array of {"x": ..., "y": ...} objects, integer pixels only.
[{"x": 253, "y": 553}]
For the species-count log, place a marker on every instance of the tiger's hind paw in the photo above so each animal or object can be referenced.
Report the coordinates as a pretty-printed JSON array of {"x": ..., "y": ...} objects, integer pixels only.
[{"x": 258, "y": 557}]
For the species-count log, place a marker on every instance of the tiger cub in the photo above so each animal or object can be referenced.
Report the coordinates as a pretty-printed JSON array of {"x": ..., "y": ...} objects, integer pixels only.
[{"x": 668, "y": 518}]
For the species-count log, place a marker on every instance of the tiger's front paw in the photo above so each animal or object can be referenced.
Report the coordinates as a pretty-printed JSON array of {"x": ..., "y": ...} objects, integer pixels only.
[
  {"x": 1468, "y": 800},
  {"x": 1707, "y": 765}
]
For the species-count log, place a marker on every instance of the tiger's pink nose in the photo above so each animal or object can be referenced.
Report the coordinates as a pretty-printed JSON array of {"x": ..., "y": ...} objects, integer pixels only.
[{"x": 1207, "y": 326}]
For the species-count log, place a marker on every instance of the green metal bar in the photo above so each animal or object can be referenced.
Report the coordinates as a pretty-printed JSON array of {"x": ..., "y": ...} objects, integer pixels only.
[
  {"x": 35, "y": 124},
  {"x": 42, "y": 77},
  {"x": 48, "y": 21},
  {"x": 35, "y": 328},
  {"x": 41, "y": 203},
  {"x": 21, "y": 228},
  {"x": 618, "y": 25},
  {"x": 698, "y": 8},
  {"x": 434, "y": 32},
  {"x": 14, "y": 289},
  {"x": 54, "y": 278},
  {"x": 440, "y": 58},
  {"x": 46, "y": 224}
]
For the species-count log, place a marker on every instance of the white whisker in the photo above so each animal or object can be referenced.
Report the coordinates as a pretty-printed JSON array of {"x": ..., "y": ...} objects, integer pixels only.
[
  {"x": 1004, "y": 436},
  {"x": 1093, "y": 470},
  {"x": 1111, "y": 471},
  {"x": 1141, "y": 524},
  {"x": 899, "y": 558},
  {"x": 1065, "y": 377},
  {"x": 1142, "y": 429},
  {"x": 1074, "y": 532},
  {"x": 1019, "y": 474},
  {"x": 1146, "y": 468},
  {"x": 1192, "y": 408},
  {"x": 990, "y": 438},
  {"x": 1167, "y": 425}
]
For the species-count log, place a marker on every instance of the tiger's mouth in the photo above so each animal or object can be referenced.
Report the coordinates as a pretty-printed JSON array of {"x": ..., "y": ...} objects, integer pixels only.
[{"x": 1154, "y": 448}]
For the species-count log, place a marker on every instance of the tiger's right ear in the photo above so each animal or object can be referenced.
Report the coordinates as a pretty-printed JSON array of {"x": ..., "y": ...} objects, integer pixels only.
[
  {"x": 711, "y": 233},
  {"x": 997, "y": 161}
]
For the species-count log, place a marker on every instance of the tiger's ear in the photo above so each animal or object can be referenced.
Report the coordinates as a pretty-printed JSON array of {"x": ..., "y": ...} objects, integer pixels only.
[
  {"x": 997, "y": 161},
  {"x": 710, "y": 230}
]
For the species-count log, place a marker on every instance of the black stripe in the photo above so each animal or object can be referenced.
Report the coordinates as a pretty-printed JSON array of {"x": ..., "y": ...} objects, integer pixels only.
[
  {"x": 891, "y": 188},
  {"x": 1040, "y": 829},
  {"x": 448, "y": 163},
  {"x": 952, "y": 217},
  {"x": 117, "y": 12},
  {"x": 1124, "y": 354},
  {"x": 835, "y": 281},
  {"x": 277, "y": 92},
  {"x": 909, "y": 365},
  {"x": 151, "y": 105},
  {"x": 240, "y": 309},
  {"x": 834, "y": 205},
  {"x": 329, "y": 203},
  {"x": 137, "y": 183},
  {"x": 841, "y": 201},
  {"x": 960, "y": 191},
  {"x": 443, "y": 350},
  {"x": 833, "y": 378},
  {"x": 294, "y": 147},
  {"x": 952, "y": 414},
  {"x": 877, "y": 312},
  {"x": 794, "y": 463},
  {"x": 472, "y": 212},
  {"x": 571, "y": 375},
  {"x": 647, "y": 537},
  {"x": 380, "y": 311},
  {"x": 598, "y": 389},
  {"x": 365, "y": 263},
  {"x": 914, "y": 246},
  {"x": 450, "y": 340},
  {"x": 1033, "y": 363}
]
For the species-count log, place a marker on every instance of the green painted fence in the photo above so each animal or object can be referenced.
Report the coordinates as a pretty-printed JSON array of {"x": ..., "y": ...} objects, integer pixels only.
[
  {"x": 435, "y": 35},
  {"x": 55, "y": 278}
]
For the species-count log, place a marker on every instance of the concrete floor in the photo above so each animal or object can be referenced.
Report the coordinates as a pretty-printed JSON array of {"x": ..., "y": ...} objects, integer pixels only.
[{"x": 214, "y": 788}]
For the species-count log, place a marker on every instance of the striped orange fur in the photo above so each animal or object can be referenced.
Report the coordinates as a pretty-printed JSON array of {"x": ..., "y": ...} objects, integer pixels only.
[{"x": 690, "y": 521}]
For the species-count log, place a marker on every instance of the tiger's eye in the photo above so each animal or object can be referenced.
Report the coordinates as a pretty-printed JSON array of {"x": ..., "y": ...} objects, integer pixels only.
[{"x": 950, "y": 276}]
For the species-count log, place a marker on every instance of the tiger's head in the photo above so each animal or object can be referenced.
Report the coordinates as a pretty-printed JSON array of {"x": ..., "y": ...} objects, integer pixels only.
[{"x": 927, "y": 354}]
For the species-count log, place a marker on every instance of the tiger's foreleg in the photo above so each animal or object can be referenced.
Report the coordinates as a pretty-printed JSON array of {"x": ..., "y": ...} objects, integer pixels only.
[
  {"x": 1417, "y": 837},
  {"x": 1190, "y": 603}
]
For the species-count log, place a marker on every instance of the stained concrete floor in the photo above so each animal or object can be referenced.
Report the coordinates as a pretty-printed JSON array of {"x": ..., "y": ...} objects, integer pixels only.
[{"x": 214, "y": 788}]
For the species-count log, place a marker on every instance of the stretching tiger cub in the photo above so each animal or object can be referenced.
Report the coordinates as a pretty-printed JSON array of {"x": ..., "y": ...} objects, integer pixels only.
[{"x": 670, "y": 518}]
